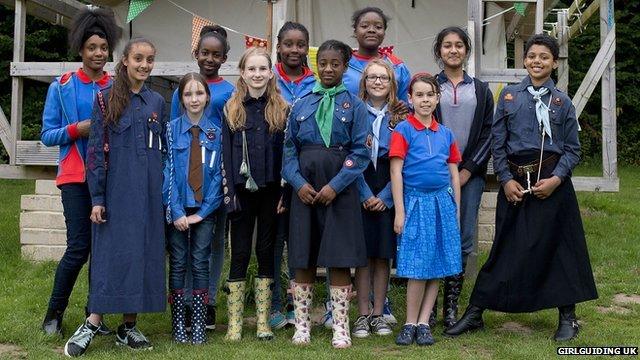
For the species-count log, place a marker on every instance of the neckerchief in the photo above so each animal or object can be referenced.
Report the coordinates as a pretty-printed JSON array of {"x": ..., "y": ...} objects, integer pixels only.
[
  {"x": 375, "y": 144},
  {"x": 324, "y": 114},
  {"x": 542, "y": 109}
]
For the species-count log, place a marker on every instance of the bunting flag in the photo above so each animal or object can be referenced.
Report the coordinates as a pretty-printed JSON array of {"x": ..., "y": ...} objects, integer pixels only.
[
  {"x": 386, "y": 50},
  {"x": 520, "y": 8},
  {"x": 197, "y": 23},
  {"x": 136, "y": 7},
  {"x": 252, "y": 41}
]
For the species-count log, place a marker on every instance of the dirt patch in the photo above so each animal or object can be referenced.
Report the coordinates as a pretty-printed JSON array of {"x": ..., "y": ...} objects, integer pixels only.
[
  {"x": 389, "y": 351},
  {"x": 59, "y": 350},
  {"x": 626, "y": 299},
  {"x": 614, "y": 309},
  {"x": 10, "y": 351},
  {"x": 589, "y": 212},
  {"x": 515, "y": 327}
]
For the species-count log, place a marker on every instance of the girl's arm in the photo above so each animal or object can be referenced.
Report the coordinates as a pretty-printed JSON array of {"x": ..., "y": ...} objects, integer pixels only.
[
  {"x": 55, "y": 130},
  {"x": 455, "y": 184},
  {"x": 291, "y": 162},
  {"x": 230, "y": 202},
  {"x": 397, "y": 190}
]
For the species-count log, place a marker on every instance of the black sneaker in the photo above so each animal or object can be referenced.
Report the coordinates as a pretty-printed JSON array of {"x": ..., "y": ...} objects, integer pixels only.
[
  {"x": 361, "y": 328},
  {"x": 80, "y": 340},
  {"x": 379, "y": 326},
  {"x": 423, "y": 335},
  {"x": 211, "y": 317},
  {"x": 132, "y": 337},
  {"x": 407, "y": 335},
  {"x": 103, "y": 329}
]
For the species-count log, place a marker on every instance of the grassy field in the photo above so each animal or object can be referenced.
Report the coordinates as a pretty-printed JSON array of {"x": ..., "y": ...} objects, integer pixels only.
[{"x": 612, "y": 224}]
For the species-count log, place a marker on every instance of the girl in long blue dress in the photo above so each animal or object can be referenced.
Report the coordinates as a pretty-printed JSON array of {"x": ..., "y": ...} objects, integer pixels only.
[{"x": 124, "y": 172}]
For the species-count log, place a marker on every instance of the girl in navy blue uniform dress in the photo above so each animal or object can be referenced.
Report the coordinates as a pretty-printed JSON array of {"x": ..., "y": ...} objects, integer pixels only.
[
  {"x": 66, "y": 120},
  {"x": 193, "y": 187},
  {"x": 539, "y": 258},
  {"x": 210, "y": 53},
  {"x": 324, "y": 154},
  {"x": 426, "y": 194},
  {"x": 295, "y": 80},
  {"x": 124, "y": 163},
  {"x": 252, "y": 135},
  {"x": 378, "y": 91}
]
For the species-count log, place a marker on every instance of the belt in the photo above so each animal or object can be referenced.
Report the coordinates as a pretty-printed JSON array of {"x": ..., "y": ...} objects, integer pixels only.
[{"x": 532, "y": 167}]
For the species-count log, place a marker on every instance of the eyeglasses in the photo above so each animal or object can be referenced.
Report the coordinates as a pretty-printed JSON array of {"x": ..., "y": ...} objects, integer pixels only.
[{"x": 383, "y": 78}]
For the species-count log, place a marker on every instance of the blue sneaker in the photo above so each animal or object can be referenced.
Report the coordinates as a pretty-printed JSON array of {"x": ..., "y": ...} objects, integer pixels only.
[
  {"x": 423, "y": 335},
  {"x": 386, "y": 313},
  {"x": 327, "y": 318},
  {"x": 291, "y": 315},
  {"x": 277, "y": 320},
  {"x": 407, "y": 335}
]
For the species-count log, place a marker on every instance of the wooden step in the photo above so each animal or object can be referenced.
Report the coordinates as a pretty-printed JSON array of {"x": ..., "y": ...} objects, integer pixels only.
[
  {"x": 42, "y": 219},
  {"x": 41, "y": 203}
]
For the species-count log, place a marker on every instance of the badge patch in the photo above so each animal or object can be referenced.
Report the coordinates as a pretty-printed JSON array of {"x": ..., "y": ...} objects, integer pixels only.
[
  {"x": 557, "y": 101},
  {"x": 369, "y": 141},
  {"x": 348, "y": 163},
  {"x": 211, "y": 135},
  {"x": 346, "y": 105},
  {"x": 227, "y": 200},
  {"x": 508, "y": 97}
]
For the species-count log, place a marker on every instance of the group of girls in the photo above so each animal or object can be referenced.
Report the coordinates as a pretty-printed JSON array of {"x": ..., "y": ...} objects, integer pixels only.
[{"x": 336, "y": 168}]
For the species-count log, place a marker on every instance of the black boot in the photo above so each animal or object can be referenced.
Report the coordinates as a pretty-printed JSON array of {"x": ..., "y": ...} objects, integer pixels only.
[
  {"x": 470, "y": 321},
  {"x": 52, "y": 323},
  {"x": 433, "y": 317},
  {"x": 103, "y": 329},
  {"x": 178, "y": 317},
  {"x": 452, "y": 290},
  {"x": 567, "y": 324}
]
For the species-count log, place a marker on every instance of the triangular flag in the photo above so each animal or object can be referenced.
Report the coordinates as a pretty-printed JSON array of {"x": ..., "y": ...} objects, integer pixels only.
[
  {"x": 520, "y": 8},
  {"x": 136, "y": 7},
  {"x": 251, "y": 41},
  {"x": 313, "y": 63},
  {"x": 386, "y": 50},
  {"x": 197, "y": 23}
]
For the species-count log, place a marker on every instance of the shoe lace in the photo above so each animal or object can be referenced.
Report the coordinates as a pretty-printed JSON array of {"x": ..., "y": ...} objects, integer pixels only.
[
  {"x": 379, "y": 322},
  {"x": 82, "y": 337},
  {"x": 361, "y": 321},
  {"x": 136, "y": 335}
]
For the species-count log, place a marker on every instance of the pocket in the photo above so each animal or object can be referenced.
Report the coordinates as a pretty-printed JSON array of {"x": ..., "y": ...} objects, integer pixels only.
[
  {"x": 212, "y": 154},
  {"x": 120, "y": 133},
  {"x": 343, "y": 132},
  {"x": 557, "y": 126},
  {"x": 306, "y": 123}
]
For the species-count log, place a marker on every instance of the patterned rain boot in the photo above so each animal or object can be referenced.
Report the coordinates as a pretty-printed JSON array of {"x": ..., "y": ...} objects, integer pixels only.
[
  {"x": 433, "y": 317},
  {"x": 340, "y": 312},
  {"x": 178, "y": 317},
  {"x": 199, "y": 317},
  {"x": 235, "y": 310},
  {"x": 302, "y": 300},
  {"x": 263, "y": 306},
  {"x": 452, "y": 290}
]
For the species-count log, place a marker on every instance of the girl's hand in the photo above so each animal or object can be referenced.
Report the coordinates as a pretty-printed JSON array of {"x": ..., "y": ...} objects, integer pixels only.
[
  {"x": 307, "y": 194},
  {"x": 280, "y": 209},
  {"x": 400, "y": 108},
  {"x": 513, "y": 191},
  {"x": 545, "y": 187},
  {"x": 465, "y": 175},
  {"x": 398, "y": 223},
  {"x": 377, "y": 205},
  {"x": 367, "y": 203},
  {"x": 83, "y": 128},
  {"x": 325, "y": 196},
  {"x": 97, "y": 215},
  {"x": 194, "y": 219},
  {"x": 182, "y": 224}
]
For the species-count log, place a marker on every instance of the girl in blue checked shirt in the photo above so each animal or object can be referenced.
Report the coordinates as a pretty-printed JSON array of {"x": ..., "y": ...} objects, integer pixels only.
[
  {"x": 192, "y": 185},
  {"x": 426, "y": 196}
]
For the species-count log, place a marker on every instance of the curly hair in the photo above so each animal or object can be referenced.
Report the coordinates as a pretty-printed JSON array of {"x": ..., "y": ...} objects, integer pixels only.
[{"x": 93, "y": 21}]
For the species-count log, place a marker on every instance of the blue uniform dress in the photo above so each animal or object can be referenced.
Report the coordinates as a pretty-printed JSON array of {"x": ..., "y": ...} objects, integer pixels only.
[
  {"x": 326, "y": 236},
  {"x": 194, "y": 244},
  {"x": 376, "y": 181},
  {"x": 291, "y": 91},
  {"x": 128, "y": 258},
  {"x": 539, "y": 256},
  {"x": 429, "y": 246},
  {"x": 220, "y": 90},
  {"x": 357, "y": 63}
]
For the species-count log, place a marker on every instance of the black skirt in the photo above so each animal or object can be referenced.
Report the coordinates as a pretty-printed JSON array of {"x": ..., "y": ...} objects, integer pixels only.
[
  {"x": 539, "y": 257},
  {"x": 326, "y": 236},
  {"x": 378, "y": 225}
]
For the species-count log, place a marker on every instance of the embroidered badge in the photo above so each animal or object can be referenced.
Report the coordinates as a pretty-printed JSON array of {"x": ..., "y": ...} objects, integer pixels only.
[
  {"x": 211, "y": 134},
  {"x": 369, "y": 141},
  {"x": 508, "y": 97},
  {"x": 227, "y": 200},
  {"x": 557, "y": 101},
  {"x": 348, "y": 163},
  {"x": 106, "y": 147},
  {"x": 346, "y": 105}
]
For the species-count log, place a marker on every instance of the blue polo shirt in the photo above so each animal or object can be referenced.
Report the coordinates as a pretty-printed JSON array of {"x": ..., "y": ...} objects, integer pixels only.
[
  {"x": 426, "y": 153},
  {"x": 220, "y": 90},
  {"x": 292, "y": 90}
]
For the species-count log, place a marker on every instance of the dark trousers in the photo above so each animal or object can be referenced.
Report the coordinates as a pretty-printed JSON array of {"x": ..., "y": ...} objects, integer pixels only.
[
  {"x": 76, "y": 203},
  {"x": 261, "y": 206}
]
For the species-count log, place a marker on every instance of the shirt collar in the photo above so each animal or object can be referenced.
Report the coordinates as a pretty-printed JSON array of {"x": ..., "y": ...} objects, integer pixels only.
[
  {"x": 85, "y": 79},
  {"x": 186, "y": 125},
  {"x": 419, "y": 126},
  {"x": 442, "y": 78},
  {"x": 217, "y": 80},
  {"x": 526, "y": 82},
  {"x": 249, "y": 99},
  {"x": 144, "y": 93},
  {"x": 306, "y": 72}
]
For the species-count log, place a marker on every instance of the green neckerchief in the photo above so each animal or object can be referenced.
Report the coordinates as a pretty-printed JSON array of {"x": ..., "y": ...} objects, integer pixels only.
[{"x": 324, "y": 114}]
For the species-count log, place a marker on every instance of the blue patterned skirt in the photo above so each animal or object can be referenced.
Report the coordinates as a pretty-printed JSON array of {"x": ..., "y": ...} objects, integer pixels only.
[{"x": 429, "y": 247}]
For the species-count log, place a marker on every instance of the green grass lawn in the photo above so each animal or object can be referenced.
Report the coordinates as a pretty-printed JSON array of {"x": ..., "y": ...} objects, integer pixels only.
[{"x": 612, "y": 224}]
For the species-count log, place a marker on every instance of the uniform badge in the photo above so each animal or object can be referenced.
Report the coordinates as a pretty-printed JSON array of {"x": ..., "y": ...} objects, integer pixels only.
[
  {"x": 227, "y": 200},
  {"x": 557, "y": 101},
  {"x": 105, "y": 148},
  {"x": 369, "y": 141},
  {"x": 211, "y": 134},
  {"x": 348, "y": 163},
  {"x": 508, "y": 97},
  {"x": 346, "y": 105}
]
